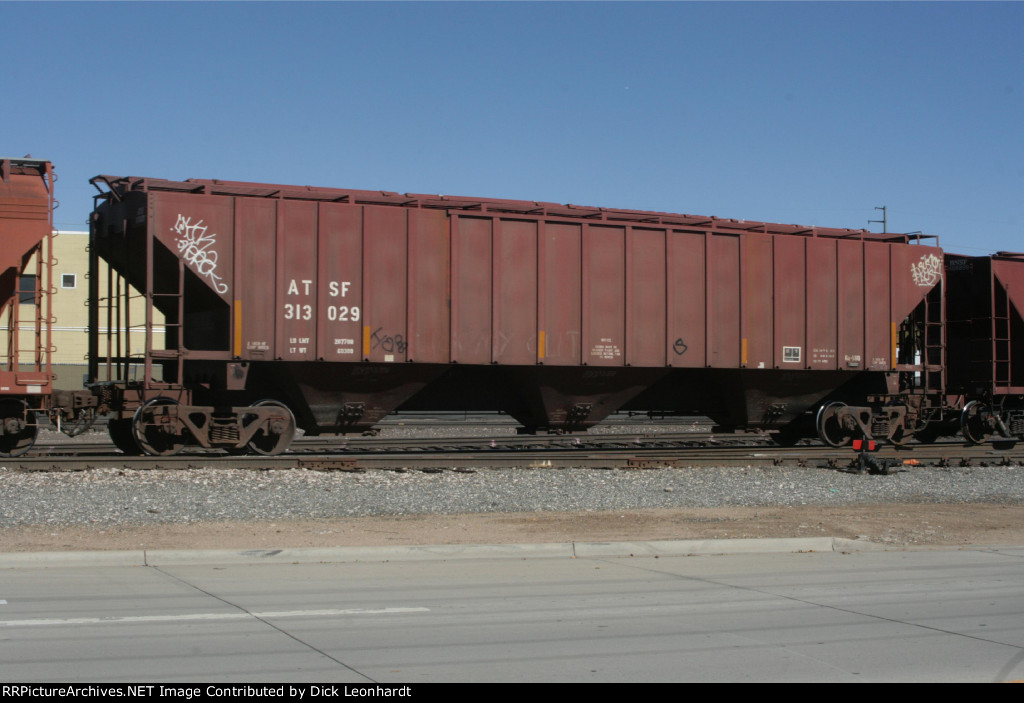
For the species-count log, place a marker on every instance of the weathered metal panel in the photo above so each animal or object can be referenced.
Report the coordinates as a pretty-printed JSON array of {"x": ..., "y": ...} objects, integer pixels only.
[
  {"x": 757, "y": 302},
  {"x": 790, "y": 303},
  {"x": 255, "y": 311},
  {"x": 850, "y": 291},
  {"x": 822, "y": 322},
  {"x": 296, "y": 280},
  {"x": 429, "y": 333},
  {"x": 723, "y": 292},
  {"x": 471, "y": 290},
  {"x": 687, "y": 308},
  {"x": 385, "y": 278},
  {"x": 339, "y": 282},
  {"x": 645, "y": 298},
  {"x": 878, "y": 325},
  {"x": 515, "y": 292},
  {"x": 559, "y": 337},
  {"x": 604, "y": 283},
  {"x": 25, "y": 205}
]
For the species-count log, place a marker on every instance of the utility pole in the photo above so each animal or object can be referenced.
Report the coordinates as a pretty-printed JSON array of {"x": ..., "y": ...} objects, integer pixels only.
[{"x": 884, "y": 221}]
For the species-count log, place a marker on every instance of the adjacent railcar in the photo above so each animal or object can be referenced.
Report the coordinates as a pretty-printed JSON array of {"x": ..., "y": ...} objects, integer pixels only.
[
  {"x": 26, "y": 226},
  {"x": 986, "y": 345},
  {"x": 325, "y": 309}
]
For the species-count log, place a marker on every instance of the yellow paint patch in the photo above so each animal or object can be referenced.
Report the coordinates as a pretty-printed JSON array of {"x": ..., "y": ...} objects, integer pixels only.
[{"x": 238, "y": 328}]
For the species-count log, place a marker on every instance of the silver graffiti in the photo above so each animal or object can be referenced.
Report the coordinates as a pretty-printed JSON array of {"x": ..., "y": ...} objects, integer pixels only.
[
  {"x": 928, "y": 271},
  {"x": 194, "y": 246}
]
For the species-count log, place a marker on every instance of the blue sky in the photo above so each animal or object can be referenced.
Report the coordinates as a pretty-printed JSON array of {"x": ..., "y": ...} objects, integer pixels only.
[{"x": 800, "y": 112}]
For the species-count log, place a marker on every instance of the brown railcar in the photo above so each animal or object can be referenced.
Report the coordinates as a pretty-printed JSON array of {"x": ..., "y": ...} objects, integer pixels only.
[
  {"x": 26, "y": 226},
  {"x": 324, "y": 309}
]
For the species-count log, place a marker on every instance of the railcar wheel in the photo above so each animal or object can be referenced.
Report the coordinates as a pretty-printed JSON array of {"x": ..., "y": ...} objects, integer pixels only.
[
  {"x": 123, "y": 437},
  {"x": 278, "y": 434},
  {"x": 830, "y": 429},
  {"x": 157, "y": 433},
  {"x": 974, "y": 422},
  {"x": 18, "y": 428}
]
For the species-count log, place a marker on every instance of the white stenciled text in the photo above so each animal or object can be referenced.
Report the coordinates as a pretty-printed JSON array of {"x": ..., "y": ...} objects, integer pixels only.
[{"x": 304, "y": 288}]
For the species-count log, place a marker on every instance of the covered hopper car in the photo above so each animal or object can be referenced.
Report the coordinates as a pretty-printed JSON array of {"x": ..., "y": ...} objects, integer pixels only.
[
  {"x": 327, "y": 309},
  {"x": 985, "y": 369},
  {"x": 272, "y": 308},
  {"x": 26, "y": 226}
]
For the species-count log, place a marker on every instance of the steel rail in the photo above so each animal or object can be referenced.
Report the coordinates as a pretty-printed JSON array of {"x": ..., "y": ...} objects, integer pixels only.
[{"x": 465, "y": 454}]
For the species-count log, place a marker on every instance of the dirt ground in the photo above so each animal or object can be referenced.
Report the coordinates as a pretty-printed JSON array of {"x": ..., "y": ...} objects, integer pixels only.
[{"x": 897, "y": 525}]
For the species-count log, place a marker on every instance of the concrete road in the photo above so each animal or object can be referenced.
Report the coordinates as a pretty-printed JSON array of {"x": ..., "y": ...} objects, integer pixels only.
[{"x": 521, "y": 616}]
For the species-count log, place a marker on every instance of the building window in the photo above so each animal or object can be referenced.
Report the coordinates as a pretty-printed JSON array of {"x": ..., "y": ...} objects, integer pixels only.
[
  {"x": 68, "y": 280},
  {"x": 27, "y": 290}
]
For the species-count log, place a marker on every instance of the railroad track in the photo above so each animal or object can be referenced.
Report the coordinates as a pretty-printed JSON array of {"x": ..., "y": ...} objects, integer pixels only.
[{"x": 611, "y": 451}]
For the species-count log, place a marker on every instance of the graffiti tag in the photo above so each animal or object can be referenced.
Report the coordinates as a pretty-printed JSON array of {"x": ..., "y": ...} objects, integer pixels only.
[
  {"x": 194, "y": 245},
  {"x": 927, "y": 271},
  {"x": 389, "y": 343}
]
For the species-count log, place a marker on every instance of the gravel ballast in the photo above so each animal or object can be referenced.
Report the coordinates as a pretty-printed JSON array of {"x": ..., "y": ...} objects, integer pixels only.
[{"x": 124, "y": 497}]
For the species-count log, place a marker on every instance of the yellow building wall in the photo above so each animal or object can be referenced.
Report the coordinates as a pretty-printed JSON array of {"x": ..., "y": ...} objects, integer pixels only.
[{"x": 70, "y": 329}]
